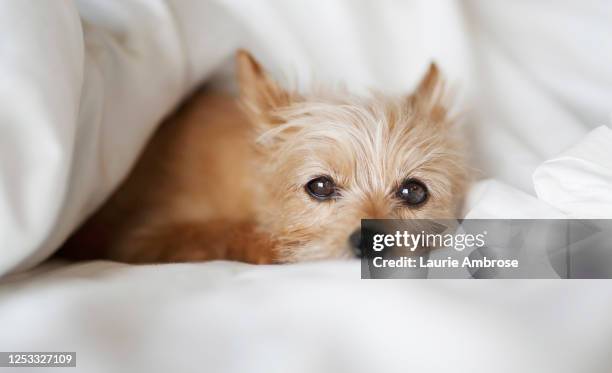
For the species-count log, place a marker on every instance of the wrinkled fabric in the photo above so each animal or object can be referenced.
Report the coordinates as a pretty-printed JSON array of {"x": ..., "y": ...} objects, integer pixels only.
[
  {"x": 84, "y": 83},
  {"x": 579, "y": 181}
]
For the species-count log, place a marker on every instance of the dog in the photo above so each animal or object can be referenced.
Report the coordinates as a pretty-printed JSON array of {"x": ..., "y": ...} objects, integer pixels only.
[{"x": 280, "y": 176}]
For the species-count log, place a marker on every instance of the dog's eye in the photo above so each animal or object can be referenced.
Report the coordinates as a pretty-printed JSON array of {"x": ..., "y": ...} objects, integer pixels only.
[
  {"x": 321, "y": 188},
  {"x": 413, "y": 192}
]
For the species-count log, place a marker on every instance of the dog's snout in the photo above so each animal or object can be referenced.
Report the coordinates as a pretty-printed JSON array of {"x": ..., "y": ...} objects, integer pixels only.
[{"x": 355, "y": 243}]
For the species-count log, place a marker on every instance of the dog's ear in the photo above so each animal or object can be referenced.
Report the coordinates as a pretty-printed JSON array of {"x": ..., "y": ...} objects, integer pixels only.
[
  {"x": 428, "y": 96},
  {"x": 259, "y": 93}
]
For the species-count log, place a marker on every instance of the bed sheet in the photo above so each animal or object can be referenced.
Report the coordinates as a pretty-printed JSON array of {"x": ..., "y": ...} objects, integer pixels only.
[{"x": 84, "y": 83}]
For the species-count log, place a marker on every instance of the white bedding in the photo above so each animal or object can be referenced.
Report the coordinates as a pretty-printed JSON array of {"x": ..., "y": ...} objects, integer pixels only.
[
  {"x": 231, "y": 317},
  {"x": 82, "y": 85}
]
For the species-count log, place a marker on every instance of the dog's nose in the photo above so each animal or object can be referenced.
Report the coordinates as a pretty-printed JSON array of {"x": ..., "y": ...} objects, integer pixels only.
[{"x": 355, "y": 243}]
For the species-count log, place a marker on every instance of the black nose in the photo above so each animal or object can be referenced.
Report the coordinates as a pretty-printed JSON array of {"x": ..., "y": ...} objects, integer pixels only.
[{"x": 355, "y": 242}]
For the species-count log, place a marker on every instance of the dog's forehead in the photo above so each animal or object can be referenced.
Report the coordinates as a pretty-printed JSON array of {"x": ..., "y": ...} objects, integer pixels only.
[{"x": 367, "y": 144}]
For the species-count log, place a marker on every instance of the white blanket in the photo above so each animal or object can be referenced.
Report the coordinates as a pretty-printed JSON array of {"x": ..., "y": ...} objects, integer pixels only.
[
  {"x": 231, "y": 317},
  {"x": 82, "y": 85}
]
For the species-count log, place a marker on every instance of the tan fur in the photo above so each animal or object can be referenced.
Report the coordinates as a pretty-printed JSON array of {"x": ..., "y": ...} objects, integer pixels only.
[{"x": 217, "y": 182}]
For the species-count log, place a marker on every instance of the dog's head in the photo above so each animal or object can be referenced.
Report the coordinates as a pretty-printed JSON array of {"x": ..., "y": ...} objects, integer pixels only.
[{"x": 329, "y": 159}]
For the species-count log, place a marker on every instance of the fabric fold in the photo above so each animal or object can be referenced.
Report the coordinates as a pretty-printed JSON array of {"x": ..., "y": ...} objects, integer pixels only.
[{"x": 579, "y": 181}]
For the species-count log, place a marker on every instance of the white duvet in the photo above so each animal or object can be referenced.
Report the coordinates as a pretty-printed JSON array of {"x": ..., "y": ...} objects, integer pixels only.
[{"x": 83, "y": 83}]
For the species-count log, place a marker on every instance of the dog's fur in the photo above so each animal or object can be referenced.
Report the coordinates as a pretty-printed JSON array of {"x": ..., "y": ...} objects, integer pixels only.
[{"x": 218, "y": 182}]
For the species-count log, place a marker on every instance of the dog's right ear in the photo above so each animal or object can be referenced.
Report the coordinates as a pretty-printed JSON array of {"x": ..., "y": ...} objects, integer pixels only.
[{"x": 259, "y": 93}]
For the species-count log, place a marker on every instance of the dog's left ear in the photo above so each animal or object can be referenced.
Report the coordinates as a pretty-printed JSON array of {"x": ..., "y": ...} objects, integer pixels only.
[
  {"x": 428, "y": 96},
  {"x": 259, "y": 93}
]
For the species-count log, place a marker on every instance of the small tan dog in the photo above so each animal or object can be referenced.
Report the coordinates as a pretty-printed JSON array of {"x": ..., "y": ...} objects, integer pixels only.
[{"x": 285, "y": 179}]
